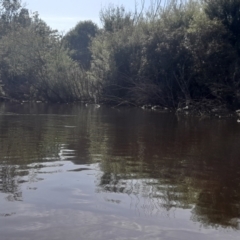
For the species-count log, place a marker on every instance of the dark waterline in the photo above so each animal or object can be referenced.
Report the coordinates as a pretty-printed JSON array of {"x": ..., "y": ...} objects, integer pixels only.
[{"x": 76, "y": 172}]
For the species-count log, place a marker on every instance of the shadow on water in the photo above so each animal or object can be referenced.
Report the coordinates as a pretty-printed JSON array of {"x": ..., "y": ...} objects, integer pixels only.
[{"x": 164, "y": 162}]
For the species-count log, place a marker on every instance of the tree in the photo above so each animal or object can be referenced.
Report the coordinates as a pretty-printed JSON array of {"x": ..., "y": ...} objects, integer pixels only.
[
  {"x": 227, "y": 12},
  {"x": 115, "y": 18},
  {"x": 78, "y": 41},
  {"x": 9, "y": 9}
]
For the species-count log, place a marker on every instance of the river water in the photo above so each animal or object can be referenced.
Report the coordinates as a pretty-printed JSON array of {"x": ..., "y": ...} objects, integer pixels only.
[{"x": 71, "y": 172}]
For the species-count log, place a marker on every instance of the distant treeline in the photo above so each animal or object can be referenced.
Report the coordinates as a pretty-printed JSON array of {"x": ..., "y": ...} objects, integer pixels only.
[{"x": 172, "y": 53}]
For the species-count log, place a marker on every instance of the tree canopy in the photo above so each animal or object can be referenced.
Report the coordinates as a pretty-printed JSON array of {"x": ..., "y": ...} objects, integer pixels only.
[
  {"x": 172, "y": 54},
  {"x": 78, "y": 41}
]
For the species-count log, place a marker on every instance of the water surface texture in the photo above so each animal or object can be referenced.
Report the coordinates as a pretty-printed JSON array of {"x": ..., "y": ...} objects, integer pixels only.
[{"x": 80, "y": 173}]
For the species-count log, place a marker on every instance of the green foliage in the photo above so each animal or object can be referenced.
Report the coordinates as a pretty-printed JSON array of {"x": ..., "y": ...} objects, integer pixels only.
[
  {"x": 22, "y": 53},
  {"x": 61, "y": 79},
  {"x": 216, "y": 60},
  {"x": 78, "y": 41},
  {"x": 115, "y": 18},
  {"x": 10, "y": 10},
  {"x": 172, "y": 54},
  {"x": 227, "y": 11},
  {"x": 140, "y": 68},
  {"x": 34, "y": 64}
]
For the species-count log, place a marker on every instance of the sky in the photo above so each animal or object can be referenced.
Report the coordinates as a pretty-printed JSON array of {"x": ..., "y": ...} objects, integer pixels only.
[{"x": 63, "y": 15}]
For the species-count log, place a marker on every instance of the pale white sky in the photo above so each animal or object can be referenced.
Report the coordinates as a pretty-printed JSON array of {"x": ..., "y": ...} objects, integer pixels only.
[{"x": 65, "y": 14}]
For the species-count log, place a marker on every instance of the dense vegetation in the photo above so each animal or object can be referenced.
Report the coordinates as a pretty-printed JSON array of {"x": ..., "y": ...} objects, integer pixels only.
[{"x": 173, "y": 54}]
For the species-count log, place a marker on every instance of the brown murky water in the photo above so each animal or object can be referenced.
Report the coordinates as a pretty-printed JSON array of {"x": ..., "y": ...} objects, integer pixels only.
[{"x": 81, "y": 173}]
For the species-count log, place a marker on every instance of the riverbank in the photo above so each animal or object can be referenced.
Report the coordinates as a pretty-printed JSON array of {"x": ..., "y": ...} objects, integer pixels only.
[{"x": 199, "y": 110}]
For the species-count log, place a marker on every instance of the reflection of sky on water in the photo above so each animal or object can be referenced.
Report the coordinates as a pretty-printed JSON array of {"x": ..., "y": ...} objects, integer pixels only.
[
  {"x": 176, "y": 177},
  {"x": 65, "y": 205}
]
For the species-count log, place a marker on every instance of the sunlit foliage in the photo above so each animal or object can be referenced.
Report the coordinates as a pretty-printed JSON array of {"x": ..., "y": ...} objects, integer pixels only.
[{"x": 174, "y": 53}]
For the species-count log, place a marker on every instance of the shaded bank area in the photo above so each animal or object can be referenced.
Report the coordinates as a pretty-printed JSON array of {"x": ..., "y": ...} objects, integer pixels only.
[{"x": 172, "y": 54}]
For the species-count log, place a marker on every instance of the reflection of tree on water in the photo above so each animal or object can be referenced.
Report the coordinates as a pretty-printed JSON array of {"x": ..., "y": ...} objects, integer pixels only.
[
  {"x": 223, "y": 204},
  {"x": 27, "y": 143},
  {"x": 158, "y": 162},
  {"x": 211, "y": 205},
  {"x": 219, "y": 210},
  {"x": 8, "y": 183},
  {"x": 151, "y": 196},
  {"x": 187, "y": 166},
  {"x": 13, "y": 176},
  {"x": 32, "y": 135}
]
